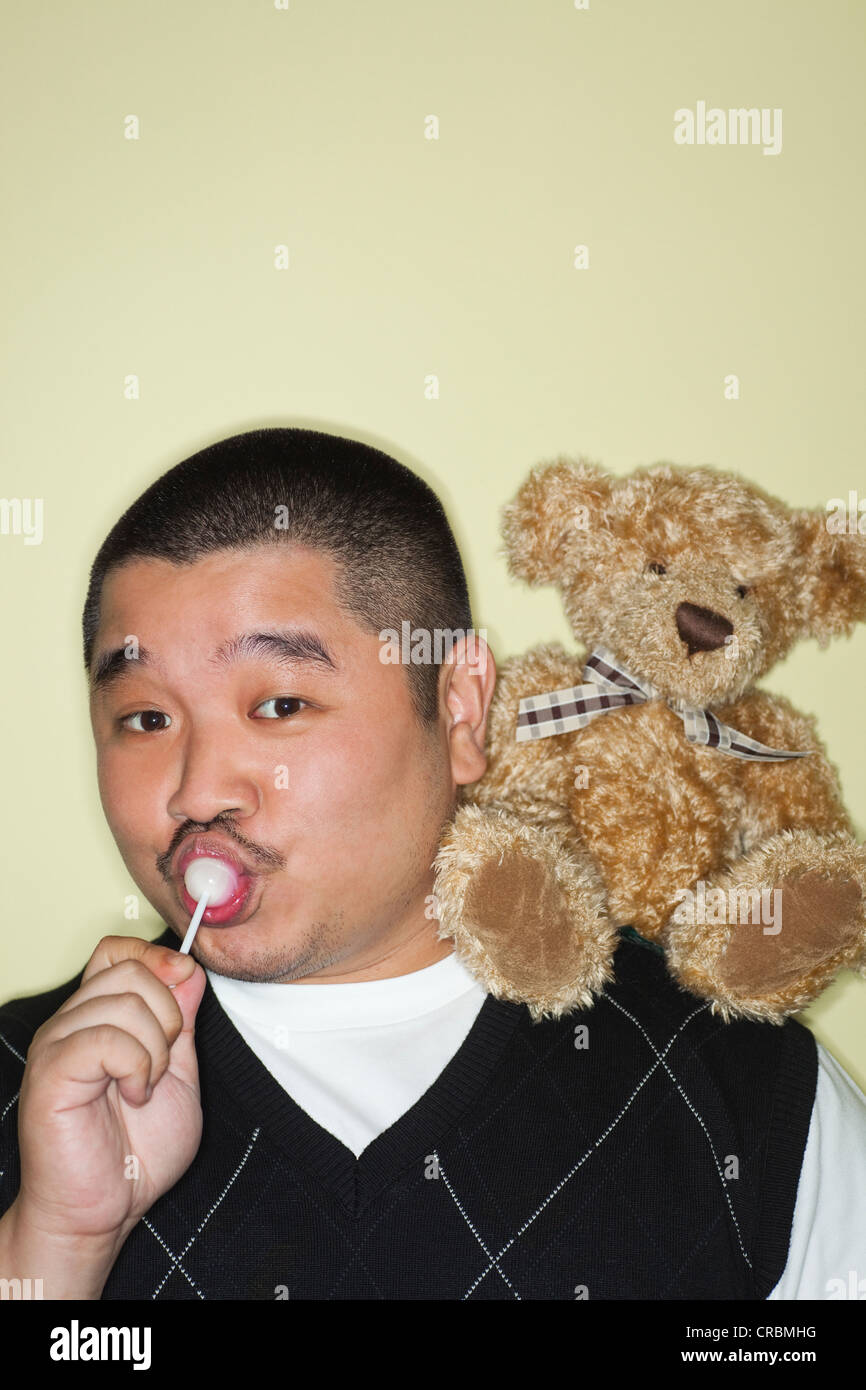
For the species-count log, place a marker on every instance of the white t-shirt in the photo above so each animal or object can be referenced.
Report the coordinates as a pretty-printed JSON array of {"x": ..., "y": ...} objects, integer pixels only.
[
  {"x": 827, "y": 1255},
  {"x": 357, "y": 1056}
]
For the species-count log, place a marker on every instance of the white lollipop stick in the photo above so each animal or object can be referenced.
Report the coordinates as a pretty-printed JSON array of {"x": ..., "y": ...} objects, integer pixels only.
[{"x": 194, "y": 924}]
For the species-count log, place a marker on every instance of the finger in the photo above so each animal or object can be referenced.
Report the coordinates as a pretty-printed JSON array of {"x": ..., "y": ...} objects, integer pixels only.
[
  {"x": 88, "y": 1059},
  {"x": 184, "y": 1062},
  {"x": 164, "y": 962},
  {"x": 133, "y": 977},
  {"x": 127, "y": 1013}
]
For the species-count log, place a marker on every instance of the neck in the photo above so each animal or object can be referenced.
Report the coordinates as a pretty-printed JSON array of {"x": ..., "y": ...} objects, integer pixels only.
[{"x": 416, "y": 952}]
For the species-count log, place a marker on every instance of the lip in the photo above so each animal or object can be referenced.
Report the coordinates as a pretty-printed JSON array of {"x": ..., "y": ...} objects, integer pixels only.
[{"x": 215, "y": 847}]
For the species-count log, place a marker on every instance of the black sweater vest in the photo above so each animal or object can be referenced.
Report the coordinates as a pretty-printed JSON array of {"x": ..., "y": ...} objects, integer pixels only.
[{"x": 640, "y": 1149}]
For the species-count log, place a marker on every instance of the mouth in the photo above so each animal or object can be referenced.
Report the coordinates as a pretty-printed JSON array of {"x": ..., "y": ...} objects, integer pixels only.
[{"x": 239, "y": 907}]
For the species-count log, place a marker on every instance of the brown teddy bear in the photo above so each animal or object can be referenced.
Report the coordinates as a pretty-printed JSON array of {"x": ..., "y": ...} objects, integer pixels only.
[{"x": 650, "y": 784}]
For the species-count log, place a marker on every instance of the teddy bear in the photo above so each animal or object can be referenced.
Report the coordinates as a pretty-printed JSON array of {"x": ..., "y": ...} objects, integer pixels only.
[{"x": 646, "y": 783}]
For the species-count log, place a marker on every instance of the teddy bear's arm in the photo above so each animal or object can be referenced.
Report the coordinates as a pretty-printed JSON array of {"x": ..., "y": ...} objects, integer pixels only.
[{"x": 801, "y": 792}]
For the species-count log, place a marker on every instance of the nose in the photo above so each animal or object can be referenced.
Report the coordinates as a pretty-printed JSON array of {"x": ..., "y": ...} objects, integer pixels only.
[
  {"x": 701, "y": 629},
  {"x": 213, "y": 780}
]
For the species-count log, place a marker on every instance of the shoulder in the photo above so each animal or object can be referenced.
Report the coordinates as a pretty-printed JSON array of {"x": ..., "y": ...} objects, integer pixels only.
[
  {"x": 766, "y": 1073},
  {"x": 644, "y": 983},
  {"x": 828, "y": 1236},
  {"x": 725, "y": 1103},
  {"x": 20, "y": 1018},
  {"x": 758, "y": 1071}
]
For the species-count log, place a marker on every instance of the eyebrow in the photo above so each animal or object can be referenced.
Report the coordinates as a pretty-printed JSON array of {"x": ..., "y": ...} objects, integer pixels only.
[{"x": 288, "y": 647}]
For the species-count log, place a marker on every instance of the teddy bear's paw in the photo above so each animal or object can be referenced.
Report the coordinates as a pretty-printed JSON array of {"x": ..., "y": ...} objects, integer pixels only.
[
  {"x": 819, "y": 922},
  {"x": 527, "y": 913},
  {"x": 794, "y": 915}
]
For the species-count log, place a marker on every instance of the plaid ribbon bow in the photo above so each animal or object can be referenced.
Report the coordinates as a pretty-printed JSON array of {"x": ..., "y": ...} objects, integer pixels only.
[{"x": 610, "y": 686}]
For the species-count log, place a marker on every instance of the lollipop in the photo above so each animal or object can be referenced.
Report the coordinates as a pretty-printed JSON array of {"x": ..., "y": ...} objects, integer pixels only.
[{"x": 212, "y": 882}]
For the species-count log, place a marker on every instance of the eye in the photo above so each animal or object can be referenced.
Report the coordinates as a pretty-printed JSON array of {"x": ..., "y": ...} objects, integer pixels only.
[
  {"x": 655, "y": 568},
  {"x": 742, "y": 590},
  {"x": 147, "y": 725},
  {"x": 281, "y": 707}
]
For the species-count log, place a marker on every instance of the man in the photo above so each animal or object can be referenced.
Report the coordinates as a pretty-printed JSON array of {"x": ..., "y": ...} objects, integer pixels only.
[{"x": 323, "y": 1103}]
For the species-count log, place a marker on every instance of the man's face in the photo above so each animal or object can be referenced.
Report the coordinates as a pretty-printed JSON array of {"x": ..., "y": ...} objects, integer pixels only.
[{"x": 317, "y": 780}]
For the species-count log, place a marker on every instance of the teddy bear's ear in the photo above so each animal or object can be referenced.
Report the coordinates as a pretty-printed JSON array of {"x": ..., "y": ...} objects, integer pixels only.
[
  {"x": 832, "y": 566},
  {"x": 557, "y": 501}
]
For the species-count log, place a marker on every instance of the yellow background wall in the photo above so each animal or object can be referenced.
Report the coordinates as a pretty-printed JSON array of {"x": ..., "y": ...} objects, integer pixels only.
[{"x": 408, "y": 256}]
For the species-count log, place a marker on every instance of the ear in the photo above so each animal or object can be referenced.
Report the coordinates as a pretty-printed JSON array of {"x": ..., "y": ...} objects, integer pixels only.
[
  {"x": 832, "y": 565},
  {"x": 558, "y": 501},
  {"x": 466, "y": 682}
]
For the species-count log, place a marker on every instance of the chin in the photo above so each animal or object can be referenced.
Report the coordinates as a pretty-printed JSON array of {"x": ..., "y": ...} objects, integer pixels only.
[{"x": 242, "y": 953}]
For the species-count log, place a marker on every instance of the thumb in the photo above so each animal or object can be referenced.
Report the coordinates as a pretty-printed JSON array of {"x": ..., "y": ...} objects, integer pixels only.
[{"x": 188, "y": 995}]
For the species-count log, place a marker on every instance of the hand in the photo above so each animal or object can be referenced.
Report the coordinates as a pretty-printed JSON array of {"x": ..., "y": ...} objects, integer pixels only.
[{"x": 110, "y": 1112}]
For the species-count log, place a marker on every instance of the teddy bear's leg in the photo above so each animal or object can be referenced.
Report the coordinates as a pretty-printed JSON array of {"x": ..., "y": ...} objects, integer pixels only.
[
  {"x": 793, "y": 913},
  {"x": 526, "y": 909}
]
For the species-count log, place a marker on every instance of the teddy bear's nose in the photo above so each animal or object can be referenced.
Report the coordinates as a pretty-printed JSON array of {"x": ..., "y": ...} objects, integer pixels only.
[{"x": 701, "y": 629}]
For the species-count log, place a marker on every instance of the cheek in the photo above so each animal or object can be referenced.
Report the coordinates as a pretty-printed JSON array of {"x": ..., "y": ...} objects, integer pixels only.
[
  {"x": 373, "y": 780},
  {"x": 133, "y": 799}
]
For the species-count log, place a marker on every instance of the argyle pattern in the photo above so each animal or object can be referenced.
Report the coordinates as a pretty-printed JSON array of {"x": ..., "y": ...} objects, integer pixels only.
[{"x": 639, "y": 1149}]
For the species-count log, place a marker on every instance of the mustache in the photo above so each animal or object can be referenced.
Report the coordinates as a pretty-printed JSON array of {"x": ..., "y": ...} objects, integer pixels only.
[{"x": 261, "y": 855}]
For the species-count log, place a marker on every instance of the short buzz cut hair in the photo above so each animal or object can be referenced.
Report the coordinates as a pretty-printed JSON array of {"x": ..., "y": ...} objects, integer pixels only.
[{"x": 396, "y": 555}]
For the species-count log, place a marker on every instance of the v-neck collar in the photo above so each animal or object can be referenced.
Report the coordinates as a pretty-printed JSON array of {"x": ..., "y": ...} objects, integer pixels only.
[{"x": 226, "y": 1059}]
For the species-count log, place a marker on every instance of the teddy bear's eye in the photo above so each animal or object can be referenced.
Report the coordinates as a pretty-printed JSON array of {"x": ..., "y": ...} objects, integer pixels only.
[
  {"x": 742, "y": 590},
  {"x": 655, "y": 568}
]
